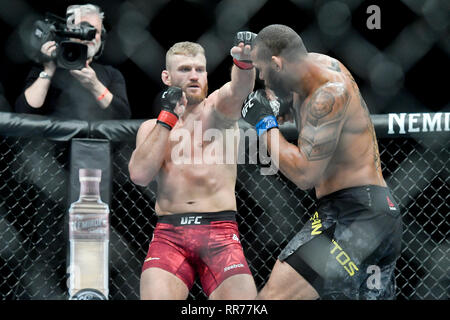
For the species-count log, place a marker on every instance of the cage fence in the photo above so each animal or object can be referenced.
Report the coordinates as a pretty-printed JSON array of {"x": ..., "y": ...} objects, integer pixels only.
[{"x": 271, "y": 209}]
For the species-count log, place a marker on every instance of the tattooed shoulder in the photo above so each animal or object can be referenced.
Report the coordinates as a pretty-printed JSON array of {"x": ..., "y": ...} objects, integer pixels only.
[
  {"x": 324, "y": 118},
  {"x": 328, "y": 103}
]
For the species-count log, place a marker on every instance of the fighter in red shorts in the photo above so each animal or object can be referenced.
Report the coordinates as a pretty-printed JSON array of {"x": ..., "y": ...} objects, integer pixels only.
[{"x": 196, "y": 233}]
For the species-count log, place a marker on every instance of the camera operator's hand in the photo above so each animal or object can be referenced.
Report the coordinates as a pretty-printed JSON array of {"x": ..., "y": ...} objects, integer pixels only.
[
  {"x": 36, "y": 93},
  {"x": 88, "y": 79},
  {"x": 49, "y": 49}
]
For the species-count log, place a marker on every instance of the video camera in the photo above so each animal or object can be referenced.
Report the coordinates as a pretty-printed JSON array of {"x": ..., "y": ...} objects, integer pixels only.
[{"x": 68, "y": 54}]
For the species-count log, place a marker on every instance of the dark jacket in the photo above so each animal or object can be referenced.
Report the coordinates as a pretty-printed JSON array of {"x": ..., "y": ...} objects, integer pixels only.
[{"x": 68, "y": 99}]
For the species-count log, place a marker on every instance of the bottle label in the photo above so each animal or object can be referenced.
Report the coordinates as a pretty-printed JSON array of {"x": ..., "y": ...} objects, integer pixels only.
[{"x": 90, "y": 227}]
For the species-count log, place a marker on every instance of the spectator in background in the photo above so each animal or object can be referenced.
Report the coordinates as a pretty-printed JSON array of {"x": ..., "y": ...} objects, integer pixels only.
[{"x": 96, "y": 92}]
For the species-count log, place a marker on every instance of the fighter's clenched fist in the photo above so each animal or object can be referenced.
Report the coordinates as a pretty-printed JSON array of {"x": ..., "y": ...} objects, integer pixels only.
[
  {"x": 173, "y": 101},
  {"x": 241, "y": 50}
]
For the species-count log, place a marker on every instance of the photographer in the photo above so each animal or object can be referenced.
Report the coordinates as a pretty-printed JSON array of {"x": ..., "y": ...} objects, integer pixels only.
[{"x": 94, "y": 92}]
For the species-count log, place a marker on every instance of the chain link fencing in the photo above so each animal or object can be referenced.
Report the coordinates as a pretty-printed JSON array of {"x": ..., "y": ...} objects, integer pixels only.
[{"x": 34, "y": 175}]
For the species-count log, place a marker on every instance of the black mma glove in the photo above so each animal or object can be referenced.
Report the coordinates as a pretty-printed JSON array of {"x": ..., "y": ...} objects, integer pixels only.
[
  {"x": 247, "y": 38},
  {"x": 258, "y": 112},
  {"x": 167, "y": 117},
  {"x": 281, "y": 106}
]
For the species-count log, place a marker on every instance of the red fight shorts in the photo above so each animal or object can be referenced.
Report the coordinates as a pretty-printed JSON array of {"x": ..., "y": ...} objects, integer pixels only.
[{"x": 206, "y": 244}]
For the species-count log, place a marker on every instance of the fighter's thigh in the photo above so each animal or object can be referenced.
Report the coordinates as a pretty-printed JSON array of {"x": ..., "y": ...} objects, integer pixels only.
[
  {"x": 286, "y": 284},
  {"x": 237, "y": 287},
  {"x": 159, "y": 284}
]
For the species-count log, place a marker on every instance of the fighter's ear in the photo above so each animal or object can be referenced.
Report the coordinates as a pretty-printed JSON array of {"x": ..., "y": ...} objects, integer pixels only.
[
  {"x": 165, "y": 77},
  {"x": 277, "y": 63}
]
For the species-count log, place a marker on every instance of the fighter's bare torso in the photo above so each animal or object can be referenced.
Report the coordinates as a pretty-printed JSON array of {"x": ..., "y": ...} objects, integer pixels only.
[
  {"x": 342, "y": 131},
  {"x": 195, "y": 175}
]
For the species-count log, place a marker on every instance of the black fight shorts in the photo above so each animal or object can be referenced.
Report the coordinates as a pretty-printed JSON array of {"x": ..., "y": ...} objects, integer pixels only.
[{"x": 349, "y": 247}]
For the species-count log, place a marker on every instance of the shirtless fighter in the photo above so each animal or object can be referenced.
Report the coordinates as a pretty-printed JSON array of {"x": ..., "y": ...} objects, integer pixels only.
[
  {"x": 349, "y": 247},
  {"x": 196, "y": 232}
]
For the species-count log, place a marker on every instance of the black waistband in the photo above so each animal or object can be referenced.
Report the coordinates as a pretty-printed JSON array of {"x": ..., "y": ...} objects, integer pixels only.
[
  {"x": 197, "y": 218},
  {"x": 361, "y": 202},
  {"x": 355, "y": 192}
]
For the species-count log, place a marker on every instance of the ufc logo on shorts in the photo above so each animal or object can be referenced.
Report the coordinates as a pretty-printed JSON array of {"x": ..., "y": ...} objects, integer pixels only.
[{"x": 190, "y": 220}]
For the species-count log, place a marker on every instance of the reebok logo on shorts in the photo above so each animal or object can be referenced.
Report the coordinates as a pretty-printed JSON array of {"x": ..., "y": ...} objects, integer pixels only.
[
  {"x": 390, "y": 204},
  {"x": 235, "y": 237},
  {"x": 233, "y": 266}
]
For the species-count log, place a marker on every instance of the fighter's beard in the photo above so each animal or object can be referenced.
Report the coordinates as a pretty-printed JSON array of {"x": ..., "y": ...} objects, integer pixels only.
[
  {"x": 278, "y": 86},
  {"x": 193, "y": 99}
]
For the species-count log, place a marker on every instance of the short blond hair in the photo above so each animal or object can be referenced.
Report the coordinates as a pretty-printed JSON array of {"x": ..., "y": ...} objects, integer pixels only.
[{"x": 185, "y": 48}]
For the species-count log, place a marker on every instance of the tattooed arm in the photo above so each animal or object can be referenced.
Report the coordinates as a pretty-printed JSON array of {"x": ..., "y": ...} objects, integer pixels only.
[{"x": 324, "y": 117}]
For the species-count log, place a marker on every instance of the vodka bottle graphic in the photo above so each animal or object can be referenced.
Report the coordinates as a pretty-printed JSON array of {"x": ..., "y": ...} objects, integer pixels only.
[{"x": 89, "y": 240}]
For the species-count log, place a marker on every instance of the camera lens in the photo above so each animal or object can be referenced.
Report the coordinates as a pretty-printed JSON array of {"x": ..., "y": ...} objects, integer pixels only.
[{"x": 72, "y": 55}]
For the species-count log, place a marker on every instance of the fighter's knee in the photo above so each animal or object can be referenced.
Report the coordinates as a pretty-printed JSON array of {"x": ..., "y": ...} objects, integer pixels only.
[
  {"x": 159, "y": 284},
  {"x": 145, "y": 293},
  {"x": 267, "y": 293}
]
